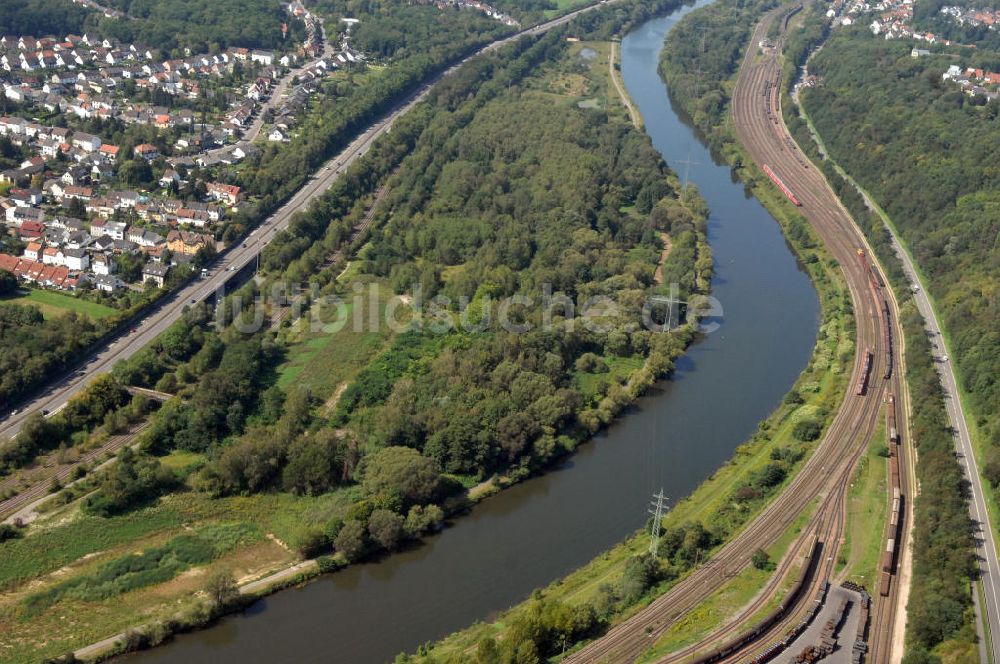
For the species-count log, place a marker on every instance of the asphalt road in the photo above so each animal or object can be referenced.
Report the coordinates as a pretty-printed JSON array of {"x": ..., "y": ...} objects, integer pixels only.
[
  {"x": 239, "y": 255},
  {"x": 986, "y": 548}
]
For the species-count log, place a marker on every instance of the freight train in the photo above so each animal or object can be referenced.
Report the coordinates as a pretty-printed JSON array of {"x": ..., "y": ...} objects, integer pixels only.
[
  {"x": 773, "y": 618},
  {"x": 866, "y": 369},
  {"x": 781, "y": 185},
  {"x": 887, "y": 338},
  {"x": 877, "y": 285},
  {"x": 891, "y": 552}
]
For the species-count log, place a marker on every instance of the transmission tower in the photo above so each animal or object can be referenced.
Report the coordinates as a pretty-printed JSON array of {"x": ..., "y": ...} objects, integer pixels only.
[
  {"x": 688, "y": 163},
  {"x": 656, "y": 509}
]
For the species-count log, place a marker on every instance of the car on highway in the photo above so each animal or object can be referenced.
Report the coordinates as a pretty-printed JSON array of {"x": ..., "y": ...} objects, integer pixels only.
[{"x": 13, "y": 412}]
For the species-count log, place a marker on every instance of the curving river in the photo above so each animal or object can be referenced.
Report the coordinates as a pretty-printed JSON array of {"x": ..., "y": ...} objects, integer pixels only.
[{"x": 540, "y": 530}]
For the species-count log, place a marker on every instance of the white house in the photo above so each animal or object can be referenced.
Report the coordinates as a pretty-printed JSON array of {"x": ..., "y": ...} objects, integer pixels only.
[
  {"x": 77, "y": 259},
  {"x": 33, "y": 251},
  {"x": 51, "y": 256},
  {"x": 87, "y": 142},
  {"x": 155, "y": 271},
  {"x": 103, "y": 264},
  {"x": 263, "y": 57},
  {"x": 954, "y": 71},
  {"x": 144, "y": 238},
  {"x": 108, "y": 283}
]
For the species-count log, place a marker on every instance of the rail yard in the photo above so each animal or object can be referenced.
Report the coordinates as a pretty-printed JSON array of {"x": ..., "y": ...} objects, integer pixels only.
[{"x": 876, "y": 387}]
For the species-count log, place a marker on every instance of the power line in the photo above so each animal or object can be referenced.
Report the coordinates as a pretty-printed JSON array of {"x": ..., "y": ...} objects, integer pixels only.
[
  {"x": 688, "y": 163},
  {"x": 657, "y": 511}
]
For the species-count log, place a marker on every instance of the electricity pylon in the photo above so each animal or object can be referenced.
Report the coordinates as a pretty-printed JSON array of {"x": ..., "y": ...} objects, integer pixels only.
[{"x": 657, "y": 512}]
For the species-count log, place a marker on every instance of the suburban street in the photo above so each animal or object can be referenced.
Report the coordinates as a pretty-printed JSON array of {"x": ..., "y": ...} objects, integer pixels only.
[
  {"x": 274, "y": 101},
  {"x": 238, "y": 256}
]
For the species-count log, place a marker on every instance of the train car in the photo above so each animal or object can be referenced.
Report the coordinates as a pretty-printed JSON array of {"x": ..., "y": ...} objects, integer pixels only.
[
  {"x": 771, "y": 619},
  {"x": 781, "y": 185},
  {"x": 889, "y": 555},
  {"x": 877, "y": 275},
  {"x": 887, "y": 337},
  {"x": 866, "y": 369},
  {"x": 894, "y": 470},
  {"x": 883, "y": 584},
  {"x": 862, "y": 258},
  {"x": 890, "y": 422}
]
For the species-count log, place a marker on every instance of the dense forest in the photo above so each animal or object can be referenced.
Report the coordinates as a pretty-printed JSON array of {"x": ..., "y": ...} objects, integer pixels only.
[
  {"x": 43, "y": 17},
  {"x": 494, "y": 191},
  {"x": 170, "y": 25},
  {"x": 33, "y": 347},
  {"x": 703, "y": 54},
  {"x": 499, "y": 196},
  {"x": 926, "y": 152},
  {"x": 201, "y": 26}
]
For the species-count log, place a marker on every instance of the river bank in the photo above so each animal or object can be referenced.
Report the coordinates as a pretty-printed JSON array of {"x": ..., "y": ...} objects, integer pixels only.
[
  {"x": 688, "y": 418},
  {"x": 584, "y": 585}
]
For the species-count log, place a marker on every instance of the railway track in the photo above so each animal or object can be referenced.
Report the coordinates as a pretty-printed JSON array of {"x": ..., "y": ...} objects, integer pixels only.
[
  {"x": 62, "y": 473},
  {"x": 280, "y": 311},
  {"x": 826, "y": 475},
  {"x": 762, "y": 131}
]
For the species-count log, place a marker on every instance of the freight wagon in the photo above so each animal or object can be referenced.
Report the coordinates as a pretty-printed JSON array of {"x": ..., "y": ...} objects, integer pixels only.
[{"x": 866, "y": 369}]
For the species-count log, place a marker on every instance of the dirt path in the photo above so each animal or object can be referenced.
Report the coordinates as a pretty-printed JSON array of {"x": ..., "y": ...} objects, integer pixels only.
[
  {"x": 658, "y": 275},
  {"x": 616, "y": 80},
  {"x": 331, "y": 403}
]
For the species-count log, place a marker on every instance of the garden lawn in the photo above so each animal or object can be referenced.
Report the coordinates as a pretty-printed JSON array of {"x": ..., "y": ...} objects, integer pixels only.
[{"x": 54, "y": 304}]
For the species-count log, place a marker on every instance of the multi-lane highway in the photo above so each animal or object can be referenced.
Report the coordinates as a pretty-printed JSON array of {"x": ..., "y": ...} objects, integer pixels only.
[
  {"x": 827, "y": 474},
  {"x": 240, "y": 255}
]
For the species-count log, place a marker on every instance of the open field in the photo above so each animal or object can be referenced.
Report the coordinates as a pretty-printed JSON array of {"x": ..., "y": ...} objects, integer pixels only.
[
  {"x": 320, "y": 361},
  {"x": 866, "y": 514},
  {"x": 55, "y": 304},
  {"x": 68, "y": 544}
]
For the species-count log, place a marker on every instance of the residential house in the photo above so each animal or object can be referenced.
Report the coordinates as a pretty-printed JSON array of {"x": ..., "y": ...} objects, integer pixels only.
[
  {"x": 147, "y": 151},
  {"x": 109, "y": 152},
  {"x": 185, "y": 242},
  {"x": 86, "y": 142},
  {"x": 77, "y": 259},
  {"x": 28, "y": 220},
  {"x": 144, "y": 238},
  {"x": 227, "y": 193},
  {"x": 108, "y": 283},
  {"x": 169, "y": 177},
  {"x": 263, "y": 57},
  {"x": 50, "y": 255},
  {"x": 103, "y": 264},
  {"x": 157, "y": 272},
  {"x": 33, "y": 252},
  {"x": 113, "y": 229}
]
